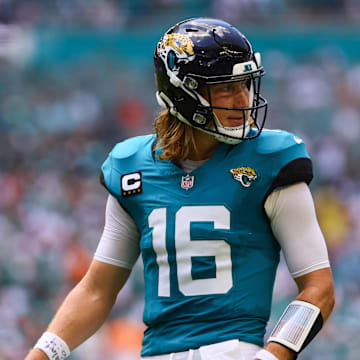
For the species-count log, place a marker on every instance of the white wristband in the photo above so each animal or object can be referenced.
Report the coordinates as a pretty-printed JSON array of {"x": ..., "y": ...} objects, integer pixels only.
[
  {"x": 53, "y": 346},
  {"x": 265, "y": 355}
]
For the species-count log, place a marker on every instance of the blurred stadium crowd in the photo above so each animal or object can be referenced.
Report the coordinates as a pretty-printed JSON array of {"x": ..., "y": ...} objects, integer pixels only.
[
  {"x": 127, "y": 13},
  {"x": 59, "y": 121}
]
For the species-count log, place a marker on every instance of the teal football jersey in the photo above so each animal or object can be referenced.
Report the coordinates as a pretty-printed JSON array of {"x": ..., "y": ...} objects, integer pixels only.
[{"x": 209, "y": 254}]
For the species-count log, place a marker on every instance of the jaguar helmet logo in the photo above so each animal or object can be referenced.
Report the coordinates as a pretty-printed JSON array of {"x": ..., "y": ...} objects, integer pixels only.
[
  {"x": 245, "y": 175},
  {"x": 180, "y": 43},
  {"x": 175, "y": 47}
]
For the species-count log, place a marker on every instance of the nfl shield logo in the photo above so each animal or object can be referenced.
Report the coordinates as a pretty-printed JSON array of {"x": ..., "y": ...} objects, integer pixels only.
[{"x": 187, "y": 182}]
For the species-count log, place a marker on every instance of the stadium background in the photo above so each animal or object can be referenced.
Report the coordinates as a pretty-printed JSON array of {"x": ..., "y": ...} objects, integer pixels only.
[{"x": 76, "y": 77}]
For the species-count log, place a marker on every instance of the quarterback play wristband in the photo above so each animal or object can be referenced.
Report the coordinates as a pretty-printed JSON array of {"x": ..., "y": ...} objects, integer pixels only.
[
  {"x": 53, "y": 346},
  {"x": 298, "y": 325}
]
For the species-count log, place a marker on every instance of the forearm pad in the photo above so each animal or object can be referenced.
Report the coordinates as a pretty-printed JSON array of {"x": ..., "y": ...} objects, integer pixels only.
[{"x": 298, "y": 325}]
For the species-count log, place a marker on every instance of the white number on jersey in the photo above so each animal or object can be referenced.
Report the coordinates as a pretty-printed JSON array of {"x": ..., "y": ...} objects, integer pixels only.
[{"x": 186, "y": 249}]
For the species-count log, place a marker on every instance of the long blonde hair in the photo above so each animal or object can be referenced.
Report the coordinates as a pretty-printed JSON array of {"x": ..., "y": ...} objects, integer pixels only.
[{"x": 175, "y": 138}]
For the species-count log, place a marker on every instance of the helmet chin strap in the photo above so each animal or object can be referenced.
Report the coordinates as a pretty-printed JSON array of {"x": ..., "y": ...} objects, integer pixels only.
[{"x": 237, "y": 131}]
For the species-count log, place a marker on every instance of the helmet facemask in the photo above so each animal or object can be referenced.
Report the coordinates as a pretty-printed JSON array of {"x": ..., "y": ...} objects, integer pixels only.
[{"x": 249, "y": 114}]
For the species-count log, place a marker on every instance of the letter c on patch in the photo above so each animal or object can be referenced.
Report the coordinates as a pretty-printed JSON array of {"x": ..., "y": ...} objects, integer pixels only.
[{"x": 131, "y": 181}]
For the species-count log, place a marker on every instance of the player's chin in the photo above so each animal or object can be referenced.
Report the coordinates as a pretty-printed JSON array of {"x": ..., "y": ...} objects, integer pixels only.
[{"x": 233, "y": 122}]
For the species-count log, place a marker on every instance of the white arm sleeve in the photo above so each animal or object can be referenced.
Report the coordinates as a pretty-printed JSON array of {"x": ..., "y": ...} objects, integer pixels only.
[
  {"x": 119, "y": 243},
  {"x": 293, "y": 221}
]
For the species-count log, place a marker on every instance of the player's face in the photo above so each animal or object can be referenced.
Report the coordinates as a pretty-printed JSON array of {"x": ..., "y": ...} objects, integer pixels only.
[{"x": 230, "y": 95}]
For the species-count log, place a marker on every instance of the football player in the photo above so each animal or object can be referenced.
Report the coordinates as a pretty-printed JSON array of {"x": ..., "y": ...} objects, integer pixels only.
[{"x": 208, "y": 201}]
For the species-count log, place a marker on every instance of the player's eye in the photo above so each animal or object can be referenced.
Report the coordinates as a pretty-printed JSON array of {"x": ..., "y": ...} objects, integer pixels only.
[{"x": 224, "y": 88}]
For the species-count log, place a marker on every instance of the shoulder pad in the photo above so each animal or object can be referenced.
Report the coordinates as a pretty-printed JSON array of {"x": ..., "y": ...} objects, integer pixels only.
[
  {"x": 273, "y": 141},
  {"x": 129, "y": 147},
  {"x": 125, "y": 158}
]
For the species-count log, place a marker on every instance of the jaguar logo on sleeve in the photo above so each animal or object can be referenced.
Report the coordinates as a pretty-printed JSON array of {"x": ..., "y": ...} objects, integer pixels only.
[{"x": 245, "y": 175}]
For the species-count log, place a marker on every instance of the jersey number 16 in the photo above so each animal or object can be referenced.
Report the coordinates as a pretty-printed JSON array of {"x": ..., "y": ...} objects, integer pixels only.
[{"x": 186, "y": 249}]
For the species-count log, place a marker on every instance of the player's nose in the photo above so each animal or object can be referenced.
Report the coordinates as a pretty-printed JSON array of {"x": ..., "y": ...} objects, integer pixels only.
[{"x": 241, "y": 98}]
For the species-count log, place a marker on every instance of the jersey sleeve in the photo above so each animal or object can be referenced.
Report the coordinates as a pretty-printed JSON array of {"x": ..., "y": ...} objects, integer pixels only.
[
  {"x": 289, "y": 159},
  {"x": 110, "y": 177},
  {"x": 125, "y": 159},
  {"x": 297, "y": 170}
]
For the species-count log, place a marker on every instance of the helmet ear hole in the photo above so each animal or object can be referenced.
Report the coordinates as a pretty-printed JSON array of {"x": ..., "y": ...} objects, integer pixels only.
[{"x": 171, "y": 60}]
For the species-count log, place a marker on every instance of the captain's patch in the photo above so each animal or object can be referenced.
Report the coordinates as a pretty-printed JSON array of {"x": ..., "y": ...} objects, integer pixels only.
[{"x": 131, "y": 184}]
